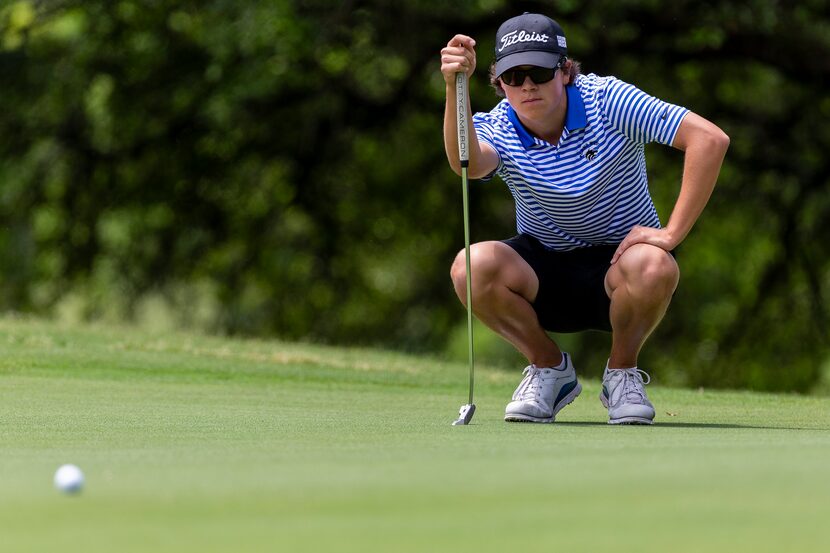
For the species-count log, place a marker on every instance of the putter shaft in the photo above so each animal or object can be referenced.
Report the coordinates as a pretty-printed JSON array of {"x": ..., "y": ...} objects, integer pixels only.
[
  {"x": 466, "y": 201},
  {"x": 466, "y": 412}
]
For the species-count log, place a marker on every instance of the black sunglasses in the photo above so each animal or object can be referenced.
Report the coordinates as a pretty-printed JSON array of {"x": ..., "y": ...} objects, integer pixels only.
[{"x": 539, "y": 75}]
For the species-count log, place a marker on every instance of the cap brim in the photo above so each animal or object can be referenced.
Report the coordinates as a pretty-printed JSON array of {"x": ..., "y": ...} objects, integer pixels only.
[{"x": 539, "y": 59}]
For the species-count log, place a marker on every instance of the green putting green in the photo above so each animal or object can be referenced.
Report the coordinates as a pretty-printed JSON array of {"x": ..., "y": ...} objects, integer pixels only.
[{"x": 192, "y": 443}]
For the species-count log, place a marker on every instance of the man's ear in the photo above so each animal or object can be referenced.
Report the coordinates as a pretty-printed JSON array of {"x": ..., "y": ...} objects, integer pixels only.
[{"x": 566, "y": 72}]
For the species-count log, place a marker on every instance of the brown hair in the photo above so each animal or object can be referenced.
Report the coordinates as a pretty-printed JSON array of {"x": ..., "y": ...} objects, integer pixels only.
[{"x": 573, "y": 68}]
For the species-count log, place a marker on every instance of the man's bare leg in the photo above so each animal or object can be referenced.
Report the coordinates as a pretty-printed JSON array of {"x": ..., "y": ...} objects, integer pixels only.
[
  {"x": 503, "y": 289},
  {"x": 640, "y": 285}
]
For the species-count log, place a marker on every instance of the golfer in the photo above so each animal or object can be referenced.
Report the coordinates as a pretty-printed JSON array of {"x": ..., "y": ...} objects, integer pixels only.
[{"x": 590, "y": 251}]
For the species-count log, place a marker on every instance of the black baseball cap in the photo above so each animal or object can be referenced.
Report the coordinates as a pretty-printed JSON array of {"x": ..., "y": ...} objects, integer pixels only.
[{"x": 529, "y": 39}]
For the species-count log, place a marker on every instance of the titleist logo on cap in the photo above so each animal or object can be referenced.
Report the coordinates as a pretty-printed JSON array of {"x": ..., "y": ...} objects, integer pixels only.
[
  {"x": 529, "y": 39},
  {"x": 521, "y": 36}
]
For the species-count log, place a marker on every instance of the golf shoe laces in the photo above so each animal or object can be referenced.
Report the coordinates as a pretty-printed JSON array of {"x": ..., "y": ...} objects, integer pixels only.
[
  {"x": 530, "y": 385},
  {"x": 632, "y": 384}
]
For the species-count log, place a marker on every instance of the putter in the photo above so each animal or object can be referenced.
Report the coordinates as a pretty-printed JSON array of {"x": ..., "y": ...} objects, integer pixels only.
[{"x": 465, "y": 414}]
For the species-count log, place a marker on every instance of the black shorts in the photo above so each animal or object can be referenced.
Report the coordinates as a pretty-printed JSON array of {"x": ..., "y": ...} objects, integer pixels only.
[{"x": 571, "y": 293}]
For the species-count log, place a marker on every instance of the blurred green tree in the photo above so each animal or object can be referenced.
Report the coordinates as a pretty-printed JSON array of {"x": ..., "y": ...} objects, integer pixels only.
[{"x": 276, "y": 168}]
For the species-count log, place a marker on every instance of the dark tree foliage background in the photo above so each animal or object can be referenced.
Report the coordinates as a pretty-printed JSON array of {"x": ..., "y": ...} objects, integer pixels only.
[{"x": 276, "y": 168}]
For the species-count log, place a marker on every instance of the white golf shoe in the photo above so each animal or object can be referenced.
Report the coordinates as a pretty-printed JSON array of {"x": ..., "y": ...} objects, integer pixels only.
[
  {"x": 543, "y": 392},
  {"x": 624, "y": 395}
]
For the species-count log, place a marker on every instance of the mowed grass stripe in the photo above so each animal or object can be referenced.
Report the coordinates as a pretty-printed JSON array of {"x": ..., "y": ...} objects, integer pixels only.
[{"x": 193, "y": 443}]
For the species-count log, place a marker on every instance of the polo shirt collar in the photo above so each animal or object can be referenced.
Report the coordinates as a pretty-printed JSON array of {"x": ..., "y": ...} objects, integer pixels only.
[{"x": 575, "y": 117}]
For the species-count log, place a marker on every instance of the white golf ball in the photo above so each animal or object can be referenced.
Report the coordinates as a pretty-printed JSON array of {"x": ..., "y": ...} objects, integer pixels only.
[{"x": 69, "y": 479}]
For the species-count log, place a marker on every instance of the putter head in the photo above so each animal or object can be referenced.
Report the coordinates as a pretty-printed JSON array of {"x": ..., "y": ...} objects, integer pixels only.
[{"x": 465, "y": 415}]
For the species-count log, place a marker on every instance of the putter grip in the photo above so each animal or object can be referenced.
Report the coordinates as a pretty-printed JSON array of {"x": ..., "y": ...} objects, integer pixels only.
[{"x": 461, "y": 112}]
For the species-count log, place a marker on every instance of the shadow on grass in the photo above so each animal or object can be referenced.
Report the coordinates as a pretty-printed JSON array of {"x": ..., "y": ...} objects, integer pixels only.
[{"x": 693, "y": 425}]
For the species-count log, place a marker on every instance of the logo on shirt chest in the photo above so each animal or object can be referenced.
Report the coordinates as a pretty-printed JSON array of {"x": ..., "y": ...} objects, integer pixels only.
[{"x": 589, "y": 152}]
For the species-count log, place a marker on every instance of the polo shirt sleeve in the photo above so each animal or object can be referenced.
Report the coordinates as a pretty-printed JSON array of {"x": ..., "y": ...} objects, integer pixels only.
[
  {"x": 486, "y": 132},
  {"x": 484, "y": 128},
  {"x": 640, "y": 117}
]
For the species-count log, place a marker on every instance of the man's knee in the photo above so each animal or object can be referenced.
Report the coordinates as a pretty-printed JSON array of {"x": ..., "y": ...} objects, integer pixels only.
[
  {"x": 485, "y": 268},
  {"x": 657, "y": 270},
  {"x": 458, "y": 273}
]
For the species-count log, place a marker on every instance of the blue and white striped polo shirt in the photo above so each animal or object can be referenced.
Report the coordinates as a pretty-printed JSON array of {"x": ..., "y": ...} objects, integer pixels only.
[{"x": 591, "y": 188}]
